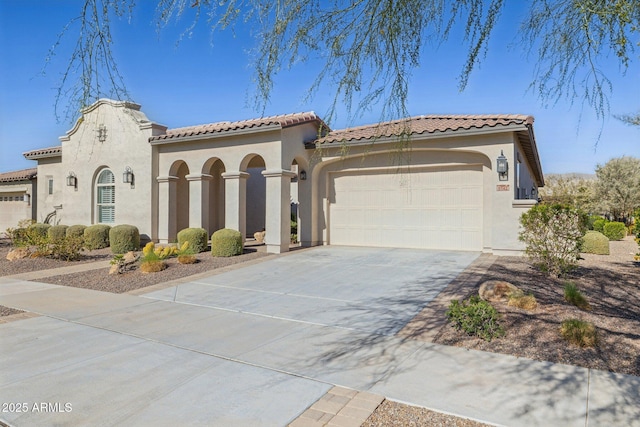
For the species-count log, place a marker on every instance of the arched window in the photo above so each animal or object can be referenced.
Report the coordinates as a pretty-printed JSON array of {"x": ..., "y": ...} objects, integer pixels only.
[{"x": 106, "y": 197}]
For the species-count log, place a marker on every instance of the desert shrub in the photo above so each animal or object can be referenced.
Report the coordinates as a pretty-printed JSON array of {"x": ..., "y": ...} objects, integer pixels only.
[
  {"x": 34, "y": 234},
  {"x": 598, "y": 225},
  {"x": 39, "y": 229},
  {"x": 525, "y": 302},
  {"x": 57, "y": 233},
  {"x": 226, "y": 242},
  {"x": 124, "y": 238},
  {"x": 96, "y": 236},
  {"x": 593, "y": 218},
  {"x": 573, "y": 296},
  {"x": 553, "y": 237},
  {"x": 152, "y": 258},
  {"x": 67, "y": 248},
  {"x": 615, "y": 230},
  {"x": 196, "y": 237},
  {"x": 76, "y": 231},
  {"x": 475, "y": 317},
  {"x": 595, "y": 242},
  {"x": 579, "y": 332}
]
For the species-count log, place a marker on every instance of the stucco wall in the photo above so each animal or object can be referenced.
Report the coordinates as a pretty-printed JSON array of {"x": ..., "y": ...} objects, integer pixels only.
[
  {"x": 50, "y": 169},
  {"x": 125, "y": 144},
  {"x": 16, "y": 203}
]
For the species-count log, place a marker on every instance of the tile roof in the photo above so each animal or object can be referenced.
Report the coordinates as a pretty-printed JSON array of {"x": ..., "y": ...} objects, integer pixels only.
[
  {"x": 422, "y": 125},
  {"x": 43, "y": 152},
  {"x": 20, "y": 175},
  {"x": 284, "y": 121}
]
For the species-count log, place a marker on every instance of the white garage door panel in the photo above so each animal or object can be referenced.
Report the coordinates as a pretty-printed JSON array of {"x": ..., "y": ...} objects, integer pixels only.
[{"x": 437, "y": 208}]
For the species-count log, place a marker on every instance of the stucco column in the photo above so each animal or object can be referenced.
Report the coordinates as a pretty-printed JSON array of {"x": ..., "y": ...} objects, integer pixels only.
[
  {"x": 235, "y": 201},
  {"x": 304, "y": 212},
  {"x": 166, "y": 215},
  {"x": 278, "y": 210},
  {"x": 199, "y": 200}
]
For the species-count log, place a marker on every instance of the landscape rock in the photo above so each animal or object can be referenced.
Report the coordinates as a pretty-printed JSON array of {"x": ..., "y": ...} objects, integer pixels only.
[
  {"x": 496, "y": 290},
  {"x": 18, "y": 253}
]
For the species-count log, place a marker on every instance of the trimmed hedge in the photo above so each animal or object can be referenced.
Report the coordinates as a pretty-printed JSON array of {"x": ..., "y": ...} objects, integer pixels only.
[
  {"x": 76, "y": 231},
  {"x": 124, "y": 238},
  {"x": 598, "y": 225},
  {"x": 226, "y": 242},
  {"x": 197, "y": 238},
  {"x": 57, "y": 233},
  {"x": 96, "y": 236},
  {"x": 615, "y": 230},
  {"x": 595, "y": 242},
  {"x": 40, "y": 229}
]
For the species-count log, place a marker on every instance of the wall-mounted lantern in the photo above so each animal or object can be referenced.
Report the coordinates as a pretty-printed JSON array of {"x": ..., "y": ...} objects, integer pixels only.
[
  {"x": 534, "y": 193},
  {"x": 303, "y": 175},
  {"x": 72, "y": 181},
  {"x": 127, "y": 176},
  {"x": 502, "y": 166},
  {"x": 102, "y": 133}
]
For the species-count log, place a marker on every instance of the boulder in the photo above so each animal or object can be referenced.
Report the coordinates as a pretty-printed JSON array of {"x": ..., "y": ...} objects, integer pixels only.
[
  {"x": 496, "y": 290},
  {"x": 129, "y": 257},
  {"x": 18, "y": 253}
]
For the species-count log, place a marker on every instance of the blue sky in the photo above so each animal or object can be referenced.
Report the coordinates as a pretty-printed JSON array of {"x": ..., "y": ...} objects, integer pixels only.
[{"x": 197, "y": 82}]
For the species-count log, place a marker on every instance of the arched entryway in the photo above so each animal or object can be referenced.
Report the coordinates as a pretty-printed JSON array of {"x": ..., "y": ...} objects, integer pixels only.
[
  {"x": 256, "y": 194},
  {"x": 215, "y": 215}
]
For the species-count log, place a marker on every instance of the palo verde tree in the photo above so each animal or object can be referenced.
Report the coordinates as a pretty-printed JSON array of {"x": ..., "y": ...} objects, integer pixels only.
[{"x": 370, "y": 48}]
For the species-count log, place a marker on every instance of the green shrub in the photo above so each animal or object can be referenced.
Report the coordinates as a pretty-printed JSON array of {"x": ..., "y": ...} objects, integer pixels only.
[
  {"x": 124, "y": 238},
  {"x": 553, "y": 237},
  {"x": 573, "y": 296},
  {"x": 595, "y": 242},
  {"x": 579, "y": 332},
  {"x": 226, "y": 242},
  {"x": 76, "y": 231},
  {"x": 96, "y": 236},
  {"x": 475, "y": 317},
  {"x": 57, "y": 233},
  {"x": 593, "y": 218},
  {"x": 39, "y": 228},
  {"x": 598, "y": 225},
  {"x": 197, "y": 238},
  {"x": 615, "y": 230},
  {"x": 67, "y": 248}
]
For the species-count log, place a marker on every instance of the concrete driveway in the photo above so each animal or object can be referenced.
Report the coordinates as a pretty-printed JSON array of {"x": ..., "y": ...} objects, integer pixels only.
[{"x": 259, "y": 344}]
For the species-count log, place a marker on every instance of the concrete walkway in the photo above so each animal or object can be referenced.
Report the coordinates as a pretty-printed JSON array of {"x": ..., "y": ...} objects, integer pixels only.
[{"x": 260, "y": 345}]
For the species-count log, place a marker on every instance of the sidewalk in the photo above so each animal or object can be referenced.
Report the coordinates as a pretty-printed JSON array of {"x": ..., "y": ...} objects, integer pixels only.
[{"x": 167, "y": 363}]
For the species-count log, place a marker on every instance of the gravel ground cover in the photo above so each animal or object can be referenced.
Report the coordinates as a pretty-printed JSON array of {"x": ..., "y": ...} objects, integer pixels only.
[
  {"x": 394, "y": 414},
  {"x": 611, "y": 284}
]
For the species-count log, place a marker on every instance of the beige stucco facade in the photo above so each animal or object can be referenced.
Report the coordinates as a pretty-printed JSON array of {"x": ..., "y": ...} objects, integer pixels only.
[{"x": 252, "y": 175}]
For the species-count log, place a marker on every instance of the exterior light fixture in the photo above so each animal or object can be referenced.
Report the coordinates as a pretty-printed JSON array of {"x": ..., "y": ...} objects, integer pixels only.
[
  {"x": 303, "y": 175},
  {"x": 72, "y": 181},
  {"x": 127, "y": 176},
  {"x": 534, "y": 193},
  {"x": 102, "y": 133},
  {"x": 502, "y": 166}
]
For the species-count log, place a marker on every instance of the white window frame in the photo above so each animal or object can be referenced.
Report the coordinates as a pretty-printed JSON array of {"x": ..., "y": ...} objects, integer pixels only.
[{"x": 102, "y": 206}]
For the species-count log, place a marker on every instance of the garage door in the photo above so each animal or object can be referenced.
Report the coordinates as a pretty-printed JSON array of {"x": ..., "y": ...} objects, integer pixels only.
[{"x": 431, "y": 208}]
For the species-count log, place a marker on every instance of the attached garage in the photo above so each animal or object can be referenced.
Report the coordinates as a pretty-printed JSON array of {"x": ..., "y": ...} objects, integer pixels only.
[
  {"x": 16, "y": 192},
  {"x": 429, "y": 208}
]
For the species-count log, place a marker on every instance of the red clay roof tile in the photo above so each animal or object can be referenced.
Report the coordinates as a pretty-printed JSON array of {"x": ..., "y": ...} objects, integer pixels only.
[
  {"x": 20, "y": 175},
  {"x": 284, "y": 121},
  {"x": 423, "y": 124},
  {"x": 43, "y": 152}
]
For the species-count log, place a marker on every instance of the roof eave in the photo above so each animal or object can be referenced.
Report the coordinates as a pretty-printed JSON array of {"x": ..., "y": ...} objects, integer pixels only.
[{"x": 214, "y": 135}]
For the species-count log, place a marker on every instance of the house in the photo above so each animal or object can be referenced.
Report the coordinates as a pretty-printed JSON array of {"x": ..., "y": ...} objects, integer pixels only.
[{"x": 437, "y": 182}]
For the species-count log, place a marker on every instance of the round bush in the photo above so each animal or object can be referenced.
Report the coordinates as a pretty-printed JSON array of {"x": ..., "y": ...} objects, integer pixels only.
[
  {"x": 96, "y": 236},
  {"x": 41, "y": 230},
  {"x": 592, "y": 219},
  {"x": 598, "y": 224},
  {"x": 615, "y": 230},
  {"x": 595, "y": 242},
  {"x": 226, "y": 242},
  {"x": 76, "y": 231},
  {"x": 124, "y": 238},
  {"x": 57, "y": 233},
  {"x": 197, "y": 238}
]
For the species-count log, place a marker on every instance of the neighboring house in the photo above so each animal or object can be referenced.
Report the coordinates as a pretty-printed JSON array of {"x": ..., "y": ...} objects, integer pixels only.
[
  {"x": 424, "y": 182},
  {"x": 18, "y": 197}
]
